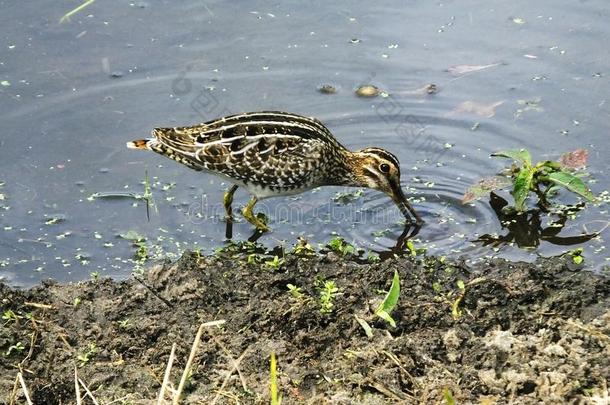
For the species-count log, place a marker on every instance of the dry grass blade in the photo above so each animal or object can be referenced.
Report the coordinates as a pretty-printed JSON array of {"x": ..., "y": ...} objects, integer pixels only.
[
  {"x": 88, "y": 392},
  {"x": 79, "y": 400},
  {"x": 24, "y": 388},
  {"x": 189, "y": 363},
  {"x": 168, "y": 369},
  {"x": 228, "y": 377}
]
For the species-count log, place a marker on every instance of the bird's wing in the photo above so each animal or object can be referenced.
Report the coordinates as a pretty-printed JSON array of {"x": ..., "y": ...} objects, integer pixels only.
[{"x": 250, "y": 144}]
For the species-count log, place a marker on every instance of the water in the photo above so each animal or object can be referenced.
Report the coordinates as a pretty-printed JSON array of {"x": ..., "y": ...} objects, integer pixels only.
[{"x": 72, "y": 94}]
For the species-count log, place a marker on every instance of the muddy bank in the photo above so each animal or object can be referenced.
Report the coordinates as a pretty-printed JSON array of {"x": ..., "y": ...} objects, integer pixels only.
[{"x": 521, "y": 333}]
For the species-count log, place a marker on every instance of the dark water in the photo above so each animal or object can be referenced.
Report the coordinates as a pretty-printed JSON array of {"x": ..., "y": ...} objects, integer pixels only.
[{"x": 72, "y": 94}]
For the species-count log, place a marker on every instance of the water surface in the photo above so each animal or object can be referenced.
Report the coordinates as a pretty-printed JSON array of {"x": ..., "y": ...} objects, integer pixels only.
[{"x": 72, "y": 94}]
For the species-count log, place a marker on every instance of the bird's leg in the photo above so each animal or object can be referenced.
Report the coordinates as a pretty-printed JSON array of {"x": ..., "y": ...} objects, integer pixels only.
[
  {"x": 252, "y": 218},
  {"x": 227, "y": 200}
]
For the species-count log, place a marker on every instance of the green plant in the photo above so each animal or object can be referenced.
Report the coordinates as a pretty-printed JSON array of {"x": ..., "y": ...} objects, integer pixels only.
[
  {"x": 328, "y": 291},
  {"x": 389, "y": 302},
  {"x": 273, "y": 385},
  {"x": 124, "y": 324},
  {"x": 339, "y": 245},
  {"x": 295, "y": 292},
  {"x": 543, "y": 178},
  {"x": 577, "y": 255},
  {"x": 95, "y": 275},
  {"x": 455, "y": 306},
  {"x": 302, "y": 248},
  {"x": 372, "y": 257},
  {"x": 253, "y": 259},
  {"x": 18, "y": 347},
  {"x": 274, "y": 263},
  {"x": 85, "y": 357},
  {"x": 9, "y": 316}
]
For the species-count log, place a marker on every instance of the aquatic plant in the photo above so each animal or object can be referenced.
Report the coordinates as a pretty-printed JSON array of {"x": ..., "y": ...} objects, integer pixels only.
[{"x": 544, "y": 179}]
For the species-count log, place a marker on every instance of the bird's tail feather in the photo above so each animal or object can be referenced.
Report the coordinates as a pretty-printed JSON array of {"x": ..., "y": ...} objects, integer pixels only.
[{"x": 140, "y": 144}]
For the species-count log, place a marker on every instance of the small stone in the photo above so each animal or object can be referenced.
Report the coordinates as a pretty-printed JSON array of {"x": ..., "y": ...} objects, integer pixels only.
[
  {"x": 327, "y": 89},
  {"x": 367, "y": 90},
  {"x": 116, "y": 74}
]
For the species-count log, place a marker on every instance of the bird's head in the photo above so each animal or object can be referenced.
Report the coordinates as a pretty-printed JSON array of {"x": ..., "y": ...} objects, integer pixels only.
[{"x": 378, "y": 169}]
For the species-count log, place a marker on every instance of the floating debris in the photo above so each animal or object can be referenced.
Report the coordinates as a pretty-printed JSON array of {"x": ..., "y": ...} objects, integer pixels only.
[
  {"x": 327, "y": 89},
  {"x": 354, "y": 41},
  {"x": 459, "y": 70},
  {"x": 368, "y": 90},
  {"x": 518, "y": 20},
  {"x": 473, "y": 107},
  {"x": 574, "y": 160}
]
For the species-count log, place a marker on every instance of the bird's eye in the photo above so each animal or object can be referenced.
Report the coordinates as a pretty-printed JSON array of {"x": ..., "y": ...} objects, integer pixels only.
[{"x": 385, "y": 168}]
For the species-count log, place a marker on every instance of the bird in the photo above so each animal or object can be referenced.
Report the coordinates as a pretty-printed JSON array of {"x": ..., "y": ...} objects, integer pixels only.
[{"x": 274, "y": 153}]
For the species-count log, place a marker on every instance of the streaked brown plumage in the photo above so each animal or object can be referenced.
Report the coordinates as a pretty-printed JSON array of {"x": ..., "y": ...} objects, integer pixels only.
[{"x": 273, "y": 153}]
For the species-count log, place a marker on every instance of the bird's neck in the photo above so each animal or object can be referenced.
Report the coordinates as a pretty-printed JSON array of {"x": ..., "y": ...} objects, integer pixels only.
[{"x": 346, "y": 170}]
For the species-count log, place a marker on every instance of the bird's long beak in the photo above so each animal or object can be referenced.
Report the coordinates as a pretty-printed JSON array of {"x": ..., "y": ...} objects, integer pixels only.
[{"x": 405, "y": 207}]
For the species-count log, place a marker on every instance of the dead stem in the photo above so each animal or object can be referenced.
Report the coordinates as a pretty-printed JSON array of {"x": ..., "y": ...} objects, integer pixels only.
[
  {"x": 189, "y": 363},
  {"x": 88, "y": 392},
  {"x": 228, "y": 377},
  {"x": 24, "y": 388},
  {"x": 168, "y": 369}
]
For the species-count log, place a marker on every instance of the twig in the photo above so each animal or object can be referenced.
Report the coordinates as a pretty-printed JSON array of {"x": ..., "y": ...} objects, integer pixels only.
[
  {"x": 38, "y": 305},
  {"x": 233, "y": 361},
  {"x": 88, "y": 392},
  {"x": 228, "y": 377},
  {"x": 189, "y": 363},
  {"x": 168, "y": 369},
  {"x": 24, "y": 388},
  {"x": 11, "y": 399},
  {"x": 153, "y": 292},
  {"x": 77, "y": 388}
]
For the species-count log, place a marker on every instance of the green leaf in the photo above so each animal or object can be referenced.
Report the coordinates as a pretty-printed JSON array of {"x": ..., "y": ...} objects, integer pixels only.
[
  {"x": 365, "y": 325},
  {"x": 519, "y": 155},
  {"x": 521, "y": 187},
  {"x": 389, "y": 302},
  {"x": 572, "y": 183}
]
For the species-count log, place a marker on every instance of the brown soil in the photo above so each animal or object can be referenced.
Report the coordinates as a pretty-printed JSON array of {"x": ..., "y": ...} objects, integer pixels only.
[{"x": 526, "y": 333}]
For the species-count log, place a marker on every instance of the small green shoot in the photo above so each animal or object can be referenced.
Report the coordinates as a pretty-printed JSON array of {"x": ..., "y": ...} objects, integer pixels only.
[
  {"x": 85, "y": 357},
  {"x": 17, "y": 347},
  {"x": 95, "y": 276},
  {"x": 577, "y": 255},
  {"x": 124, "y": 324},
  {"x": 455, "y": 306},
  {"x": 9, "y": 316},
  {"x": 273, "y": 385},
  {"x": 274, "y": 263},
  {"x": 328, "y": 292},
  {"x": 295, "y": 292},
  {"x": 339, "y": 245},
  {"x": 303, "y": 248},
  {"x": 253, "y": 259},
  {"x": 372, "y": 257},
  {"x": 389, "y": 302},
  {"x": 448, "y": 397}
]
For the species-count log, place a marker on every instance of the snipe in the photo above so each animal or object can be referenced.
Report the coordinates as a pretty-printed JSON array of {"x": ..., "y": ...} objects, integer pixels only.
[{"x": 273, "y": 154}]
